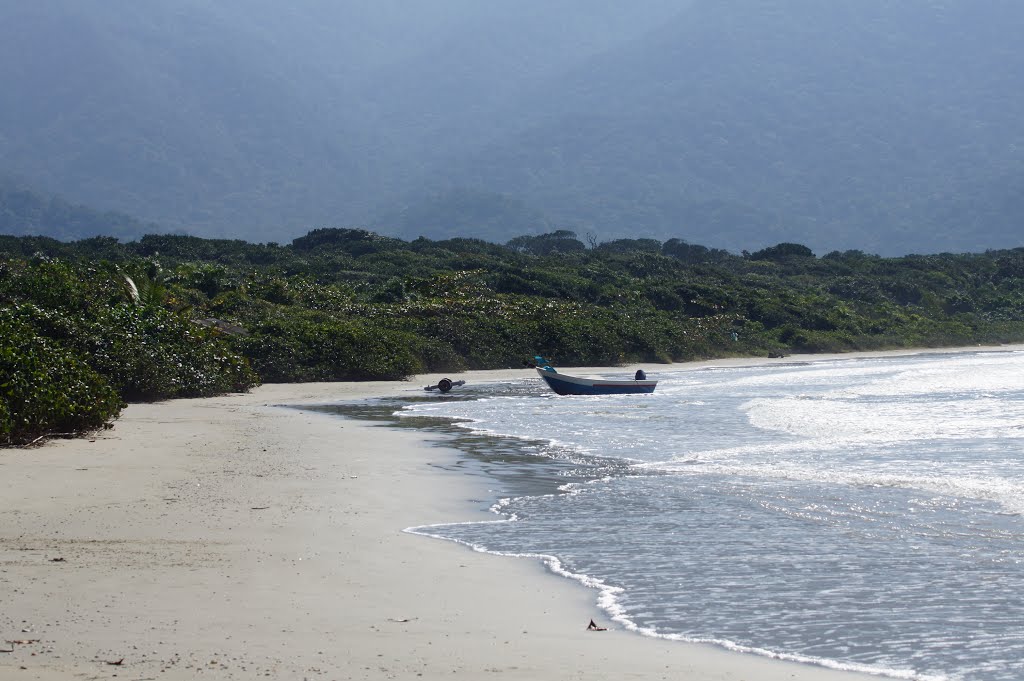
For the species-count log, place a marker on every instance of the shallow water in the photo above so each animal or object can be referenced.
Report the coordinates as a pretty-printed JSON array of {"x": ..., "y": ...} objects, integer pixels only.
[{"x": 855, "y": 513}]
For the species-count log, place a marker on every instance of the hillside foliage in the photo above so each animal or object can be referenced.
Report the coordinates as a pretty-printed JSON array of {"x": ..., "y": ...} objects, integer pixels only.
[{"x": 88, "y": 325}]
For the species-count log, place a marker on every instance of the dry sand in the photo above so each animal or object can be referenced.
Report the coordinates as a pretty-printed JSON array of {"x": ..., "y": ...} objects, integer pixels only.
[{"x": 230, "y": 538}]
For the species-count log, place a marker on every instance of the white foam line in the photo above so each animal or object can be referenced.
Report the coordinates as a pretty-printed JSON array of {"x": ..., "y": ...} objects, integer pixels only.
[
  {"x": 1004, "y": 492},
  {"x": 908, "y": 674},
  {"x": 608, "y": 600}
]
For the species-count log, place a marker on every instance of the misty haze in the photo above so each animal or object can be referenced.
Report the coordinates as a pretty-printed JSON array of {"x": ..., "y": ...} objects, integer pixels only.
[{"x": 889, "y": 127}]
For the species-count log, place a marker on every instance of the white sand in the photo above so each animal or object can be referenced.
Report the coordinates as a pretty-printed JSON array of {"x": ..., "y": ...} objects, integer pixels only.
[{"x": 229, "y": 538}]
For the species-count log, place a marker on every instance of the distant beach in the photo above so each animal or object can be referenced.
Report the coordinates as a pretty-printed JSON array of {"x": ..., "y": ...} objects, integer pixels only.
[{"x": 231, "y": 537}]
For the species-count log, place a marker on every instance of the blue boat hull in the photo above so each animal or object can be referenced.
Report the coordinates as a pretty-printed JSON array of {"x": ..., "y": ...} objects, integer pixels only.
[{"x": 573, "y": 385}]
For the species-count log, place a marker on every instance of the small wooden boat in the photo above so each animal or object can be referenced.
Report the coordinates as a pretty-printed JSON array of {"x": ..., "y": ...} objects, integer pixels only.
[{"x": 574, "y": 385}]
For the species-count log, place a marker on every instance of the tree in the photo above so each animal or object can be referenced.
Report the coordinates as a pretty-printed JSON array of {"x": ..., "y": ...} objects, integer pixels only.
[
  {"x": 559, "y": 241},
  {"x": 783, "y": 252}
]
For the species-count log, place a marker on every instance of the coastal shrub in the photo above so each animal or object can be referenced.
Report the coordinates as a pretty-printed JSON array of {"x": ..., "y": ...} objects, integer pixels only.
[
  {"x": 811, "y": 340},
  {"x": 701, "y": 338},
  {"x": 45, "y": 389},
  {"x": 438, "y": 356},
  {"x": 149, "y": 353},
  {"x": 573, "y": 337},
  {"x": 142, "y": 350},
  {"x": 483, "y": 338},
  {"x": 329, "y": 350},
  {"x": 5, "y": 422},
  {"x": 58, "y": 285}
]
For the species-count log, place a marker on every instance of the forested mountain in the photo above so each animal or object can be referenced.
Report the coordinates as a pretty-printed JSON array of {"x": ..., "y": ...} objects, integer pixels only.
[
  {"x": 846, "y": 124},
  {"x": 890, "y": 127},
  {"x": 181, "y": 112}
]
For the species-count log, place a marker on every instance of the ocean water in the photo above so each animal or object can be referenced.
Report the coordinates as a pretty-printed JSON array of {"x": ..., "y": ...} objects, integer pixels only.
[{"x": 861, "y": 513}]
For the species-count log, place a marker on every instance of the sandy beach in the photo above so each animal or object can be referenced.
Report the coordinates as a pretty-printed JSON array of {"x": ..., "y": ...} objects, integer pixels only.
[{"x": 233, "y": 538}]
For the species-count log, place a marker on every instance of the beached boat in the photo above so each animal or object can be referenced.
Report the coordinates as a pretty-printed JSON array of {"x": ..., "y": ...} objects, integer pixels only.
[{"x": 575, "y": 385}]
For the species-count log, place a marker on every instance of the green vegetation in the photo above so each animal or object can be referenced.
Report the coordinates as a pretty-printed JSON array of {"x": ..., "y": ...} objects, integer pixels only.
[
  {"x": 90, "y": 324},
  {"x": 77, "y": 340}
]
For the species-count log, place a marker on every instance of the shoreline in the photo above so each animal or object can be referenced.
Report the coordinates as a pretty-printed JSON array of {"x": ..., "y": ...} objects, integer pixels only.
[{"x": 230, "y": 537}]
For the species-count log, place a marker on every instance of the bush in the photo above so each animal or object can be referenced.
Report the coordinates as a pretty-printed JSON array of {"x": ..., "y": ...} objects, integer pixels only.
[
  {"x": 152, "y": 354},
  {"x": 46, "y": 389},
  {"x": 331, "y": 350}
]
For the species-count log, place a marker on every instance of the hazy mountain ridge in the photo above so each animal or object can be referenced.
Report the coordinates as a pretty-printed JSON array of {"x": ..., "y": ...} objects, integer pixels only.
[
  {"x": 167, "y": 119},
  {"x": 24, "y": 212},
  {"x": 846, "y": 150},
  {"x": 888, "y": 127}
]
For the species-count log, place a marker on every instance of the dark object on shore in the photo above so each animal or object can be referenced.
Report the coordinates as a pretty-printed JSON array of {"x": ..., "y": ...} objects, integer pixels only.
[
  {"x": 593, "y": 627},
  {"x": 776, "y": 355},
  {"x": 573, "y": 385},
  {"x": 444, "y": 385}
]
